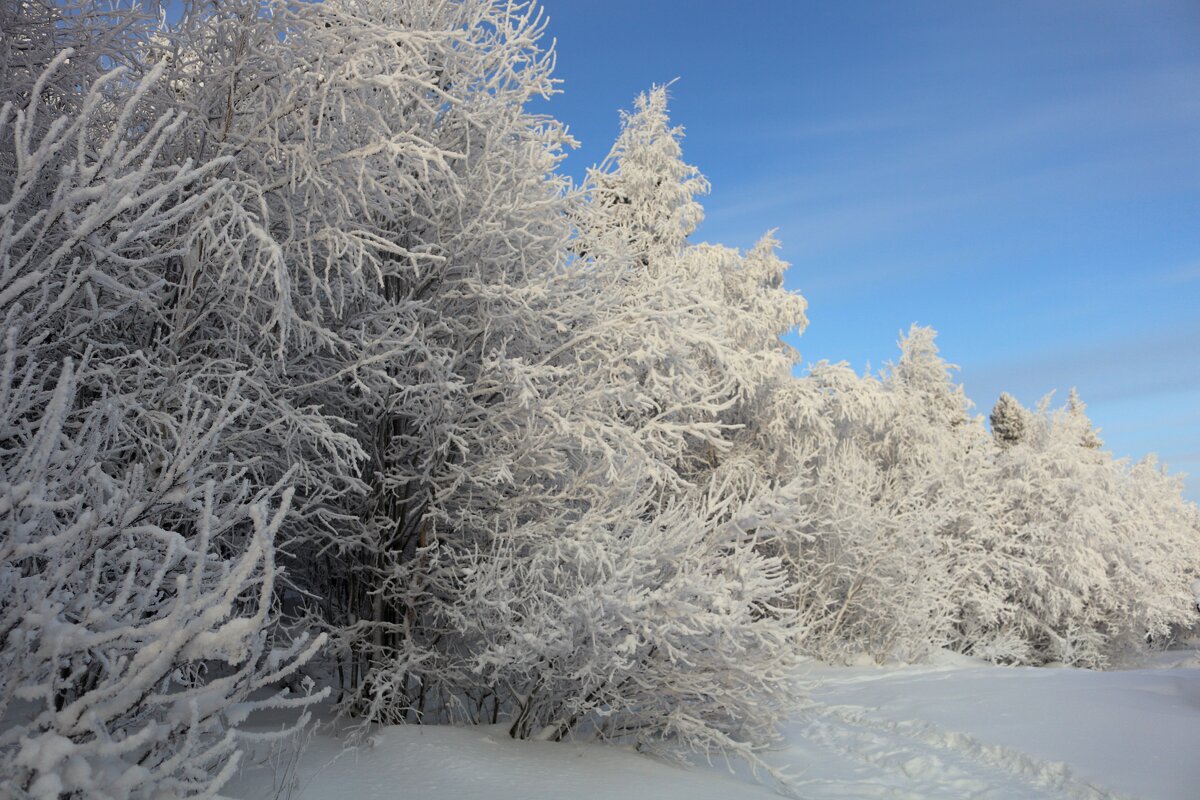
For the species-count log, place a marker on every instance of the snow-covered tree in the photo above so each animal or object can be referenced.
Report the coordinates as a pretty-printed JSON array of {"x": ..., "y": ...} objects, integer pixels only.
[
  {"x": 1077, "y": 418},
  {"x": 448, "y": 254},
  {"x": 1008, "y": 420},
  {"x": 644, "y": 192},
  {"x": 724, "y": 311},
  {"x": 593, "y": 578},
  {"x": 880, "y": 516},
  {"x": 1094, "y": 558}
]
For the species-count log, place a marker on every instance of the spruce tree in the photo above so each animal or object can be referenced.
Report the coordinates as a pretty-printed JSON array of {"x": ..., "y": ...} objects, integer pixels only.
[{"x": 1008, "y": 419}]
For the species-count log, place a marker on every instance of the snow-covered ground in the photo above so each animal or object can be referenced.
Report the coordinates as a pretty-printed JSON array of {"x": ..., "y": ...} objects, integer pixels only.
[{"x": 956, "y": 729}]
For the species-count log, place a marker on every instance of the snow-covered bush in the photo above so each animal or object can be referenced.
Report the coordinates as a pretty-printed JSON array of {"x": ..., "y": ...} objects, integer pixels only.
[
  {"x": 132, "y": 639},
  {"x": 424, "y": 204},
  {"x": 136, "y": 560}
]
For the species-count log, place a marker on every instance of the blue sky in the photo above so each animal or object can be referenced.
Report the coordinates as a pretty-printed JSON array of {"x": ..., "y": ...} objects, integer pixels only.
[{"x": 1022, "y": 176}]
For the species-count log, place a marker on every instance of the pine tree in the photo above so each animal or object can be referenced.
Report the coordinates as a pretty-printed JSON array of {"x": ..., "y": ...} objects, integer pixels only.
[
  {"x": 1008, "y": 419},
  {"x": 644, "y": 190},
  {"x": 1089, "y": 436},
  {"x": 617, "y": 507}
]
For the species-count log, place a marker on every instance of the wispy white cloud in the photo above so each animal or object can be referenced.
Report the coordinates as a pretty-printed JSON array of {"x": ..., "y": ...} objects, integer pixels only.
[
  {"x": 920, "y": 168},
  {"x": 1115, "y": 369},
  {"x": 807, "y": 130},
  {"x": 813, "y": 219},
  {"x": 1178, "y": 276}
]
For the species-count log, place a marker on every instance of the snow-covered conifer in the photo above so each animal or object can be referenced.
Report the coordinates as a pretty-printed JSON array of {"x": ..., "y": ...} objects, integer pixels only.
[
  {"x": 644, "y": 190},
  {"x": 609, "y": 582},
  {"x": 1008, "y": 419}
]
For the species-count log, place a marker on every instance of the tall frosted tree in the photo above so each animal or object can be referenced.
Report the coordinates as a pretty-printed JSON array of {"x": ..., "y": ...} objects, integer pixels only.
[
  {"x": 644, "y": 191},
  {"x": 611, "y": 591},
  {"x": 721, "y": 311}
]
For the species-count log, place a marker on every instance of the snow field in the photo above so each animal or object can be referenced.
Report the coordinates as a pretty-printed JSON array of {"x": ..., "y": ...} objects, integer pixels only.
[{"x": 955, "y": 730}]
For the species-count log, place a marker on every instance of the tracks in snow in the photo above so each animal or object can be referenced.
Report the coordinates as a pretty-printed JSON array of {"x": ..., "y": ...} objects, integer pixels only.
[{"x": 917, "y": 759}]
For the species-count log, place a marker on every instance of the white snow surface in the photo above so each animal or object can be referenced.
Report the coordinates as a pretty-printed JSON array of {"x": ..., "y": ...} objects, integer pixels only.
[{"x": 954, "y": 729}]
